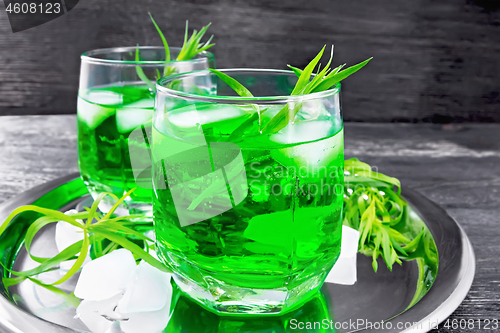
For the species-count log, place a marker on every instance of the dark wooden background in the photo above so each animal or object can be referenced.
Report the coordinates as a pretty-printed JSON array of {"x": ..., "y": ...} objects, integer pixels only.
[{"x": 434, "y": 61}]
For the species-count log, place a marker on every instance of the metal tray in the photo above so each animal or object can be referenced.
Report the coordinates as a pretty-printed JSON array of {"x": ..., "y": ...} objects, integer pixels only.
[{"x": 377, "y": 302}]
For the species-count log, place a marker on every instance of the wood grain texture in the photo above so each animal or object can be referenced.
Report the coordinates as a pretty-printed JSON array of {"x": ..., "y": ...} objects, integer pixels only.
[
  {"x": 457, "y": 166},
  {"x": 34, "y": 150},
  {"x": 434, "y": 61}
]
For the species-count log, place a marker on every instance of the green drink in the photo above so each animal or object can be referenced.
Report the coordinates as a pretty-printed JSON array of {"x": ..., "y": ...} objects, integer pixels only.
[
  {"x": 115, "y": 108},
  {"x": 106, "y": 118},
  {"x": 250, "y": 222}
]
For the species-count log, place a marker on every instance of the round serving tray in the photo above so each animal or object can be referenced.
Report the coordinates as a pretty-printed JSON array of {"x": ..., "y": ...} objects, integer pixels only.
[{"x": 377, "y": 302}]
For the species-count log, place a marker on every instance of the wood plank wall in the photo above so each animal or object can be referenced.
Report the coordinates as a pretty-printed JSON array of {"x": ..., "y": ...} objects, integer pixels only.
[{"x": 434, "y": 61}]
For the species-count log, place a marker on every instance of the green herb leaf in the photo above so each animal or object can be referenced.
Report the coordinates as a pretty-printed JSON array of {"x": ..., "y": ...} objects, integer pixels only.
[
  {"x": 51, "y": 216},
  {"x": 365, "y": 226},
  {"x": 282, "y": 118},
  {"x": 9, "y": 282},
  {"x": 107, "y": 227},
  {"x": 165, "y": 44},
  {"x": 120, "y": 228},
  {"x": 48, "y": 212},
  {"x": 397, "y": 247},
  {"x": 235, "y": 85},
  {"x": 359, "y": 169},
  {"x": 116, "y": 205},
  {"x": 374, "y": 261},
  {"x": 250, "y": 123},
  {"x": 386, "y": 248},
  {"x": 193, "y": 45},
  {"x": 331, "y": 80},
  {"x": 110, "y": 248},
  {"x": 302, "y": 87},
  {"x": 306, "y": 74},
  {"x": 413, "y": 245},
  {"x": 140, "y": 72},
  {"x": 323, "y": 80},
  {"x": 132, "y": 247},
  {"x": 33, "y": 230},
  {"x": 95, "y": 205},
  {"x": 319, "y": 77},
  {"x": 64, "y": 255},
  {"x": 79, "y": 261},
  {"x": 296, "y": 70}
]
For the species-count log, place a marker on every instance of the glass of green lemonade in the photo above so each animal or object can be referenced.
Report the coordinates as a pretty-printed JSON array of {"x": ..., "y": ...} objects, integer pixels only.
[
  {"x": 249, "y": 218},
  {"x": 115, "y": 108}
]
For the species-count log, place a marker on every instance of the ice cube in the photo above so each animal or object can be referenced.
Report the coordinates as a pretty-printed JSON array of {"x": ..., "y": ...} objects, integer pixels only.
[
  {"x": 313, "y": 155},
  {"x": 66, "y": 235},
  {"x": 312, "y": 109},
  {"x": 103, "y": 97},
  {"x": 115, "y": 328},
  {"x": 98, "y": 316},
  {"x": 344, "y": 270},
  {"x": 303, "y": 131},
  {"x": 145, "y": 103},
  {"x": 134, "y": 114},
  {"x": 95, "y": 106},
  {"x": 149, "y": 290},
  {"x": 269, "y": 111},
  {"x": 147, "y": 322},
  {"x": 106, "y": 276},
  {"x": 192, "y": 116}
]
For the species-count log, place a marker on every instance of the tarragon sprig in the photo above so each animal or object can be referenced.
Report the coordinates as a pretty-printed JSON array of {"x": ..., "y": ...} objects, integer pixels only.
[
  {"x": 190, "y": 48},
  {"x": 96, "y": 229},
  {"x": 323, "y": 80},
  {"x": 193, "y": 45},
  {"x": 374, "y": 207}
]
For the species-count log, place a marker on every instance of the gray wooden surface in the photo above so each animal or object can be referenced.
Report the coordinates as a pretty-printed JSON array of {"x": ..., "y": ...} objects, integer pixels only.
[
  {"x": 457, "y": 166},
  {"x": 434, "y": 61}
]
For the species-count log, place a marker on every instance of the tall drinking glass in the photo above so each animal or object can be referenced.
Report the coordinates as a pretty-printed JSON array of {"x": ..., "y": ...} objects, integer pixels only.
[
  {"x": 246, "y": 213},
  {"x": 115, "y": 107}
]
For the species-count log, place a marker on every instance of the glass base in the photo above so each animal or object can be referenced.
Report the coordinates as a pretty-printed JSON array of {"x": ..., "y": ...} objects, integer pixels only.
[{"x": 226, "y": 299}]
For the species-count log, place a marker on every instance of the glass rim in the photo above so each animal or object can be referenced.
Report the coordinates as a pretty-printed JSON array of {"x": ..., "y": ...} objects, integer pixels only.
[
  {"x": 237, "y": 99},
  {"x": 89, "y": 56}
]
